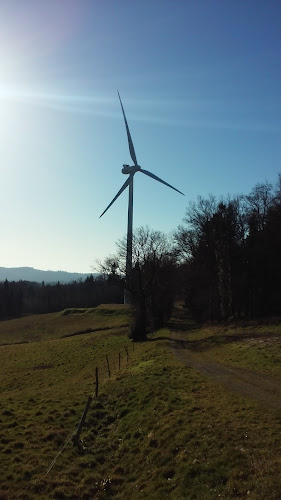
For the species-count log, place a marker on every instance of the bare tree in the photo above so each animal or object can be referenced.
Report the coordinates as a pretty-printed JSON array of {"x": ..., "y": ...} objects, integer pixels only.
[{"x": 151, "y": 287}]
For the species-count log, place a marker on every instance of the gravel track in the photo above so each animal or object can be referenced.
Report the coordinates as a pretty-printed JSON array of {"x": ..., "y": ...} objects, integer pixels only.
[{"x": 249, "y": 383}]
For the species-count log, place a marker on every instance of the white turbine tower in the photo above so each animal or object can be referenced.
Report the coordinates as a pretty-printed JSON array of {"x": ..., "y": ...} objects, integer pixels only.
[{"x": 131, "y": 170}]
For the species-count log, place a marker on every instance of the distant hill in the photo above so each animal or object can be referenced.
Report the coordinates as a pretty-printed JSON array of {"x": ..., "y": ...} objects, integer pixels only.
[{"x": 37, "y": 275}]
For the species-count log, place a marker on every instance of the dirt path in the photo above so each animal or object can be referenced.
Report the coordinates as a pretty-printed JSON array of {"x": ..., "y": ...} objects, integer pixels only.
[{"x": 258, "y": 386}]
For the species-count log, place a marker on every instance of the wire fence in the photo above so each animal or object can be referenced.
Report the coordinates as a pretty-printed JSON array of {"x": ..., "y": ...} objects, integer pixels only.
[{"x": 75, "y": 434}]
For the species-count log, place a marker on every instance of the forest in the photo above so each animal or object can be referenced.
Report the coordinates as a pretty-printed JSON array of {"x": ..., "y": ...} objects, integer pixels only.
[
  {"x": 230, "y": 255},
  {"x": 25, "y": 297},
  {"x": 223, "y": 261}
]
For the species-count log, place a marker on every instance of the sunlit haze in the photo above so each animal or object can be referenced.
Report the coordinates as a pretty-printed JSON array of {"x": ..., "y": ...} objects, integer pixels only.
[{"x": 200, "y": 84}]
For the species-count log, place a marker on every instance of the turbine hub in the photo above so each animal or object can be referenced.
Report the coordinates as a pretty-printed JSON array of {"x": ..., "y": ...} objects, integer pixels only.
[{"x": 127, "y": 169}]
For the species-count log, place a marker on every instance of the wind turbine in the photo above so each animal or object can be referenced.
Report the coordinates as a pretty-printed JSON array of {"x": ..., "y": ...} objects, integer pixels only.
[{"x": 131, "y": 170}]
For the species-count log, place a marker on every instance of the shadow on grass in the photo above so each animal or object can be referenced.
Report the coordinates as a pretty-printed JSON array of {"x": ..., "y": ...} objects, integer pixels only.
[
  {"x": 181, "y": 323},
  {"x": 93, "y": 330},
  {"x": 217, "y": 340},
  {"x": 154, "y": 339},
  {"x": 183, "y": 326}
]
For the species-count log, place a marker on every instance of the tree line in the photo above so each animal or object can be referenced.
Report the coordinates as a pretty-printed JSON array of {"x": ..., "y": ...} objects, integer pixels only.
[
  {"x": 25, "y": 297},
  {"x": 230, "y": 253},
  {"x": 224, "y": 261}
]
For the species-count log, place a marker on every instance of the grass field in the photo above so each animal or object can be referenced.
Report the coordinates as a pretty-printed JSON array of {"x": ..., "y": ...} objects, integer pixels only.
[
  {"x": 65, "y": 323},
  {"x": 159, "y": 429}
]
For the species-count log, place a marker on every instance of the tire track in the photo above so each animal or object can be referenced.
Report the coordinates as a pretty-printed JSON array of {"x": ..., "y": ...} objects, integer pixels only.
[{"x": 254, "y": 385}]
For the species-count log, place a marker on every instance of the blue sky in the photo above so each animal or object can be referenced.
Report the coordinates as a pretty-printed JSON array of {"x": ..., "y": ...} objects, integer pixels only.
[{"x": 200, "y": 84}]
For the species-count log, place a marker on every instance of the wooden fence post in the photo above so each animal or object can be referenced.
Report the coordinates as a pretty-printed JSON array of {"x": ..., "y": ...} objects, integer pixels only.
[
  {"x": 97, "y": 381},
  {"x": 108, "y": 368},
  {"x": 79, "y": 428},
  {"x": 127, "y": 353}
]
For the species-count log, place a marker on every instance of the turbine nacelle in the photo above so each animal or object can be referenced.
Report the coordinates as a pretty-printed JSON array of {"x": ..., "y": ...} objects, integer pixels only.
[{"x": 130, "y": 170}]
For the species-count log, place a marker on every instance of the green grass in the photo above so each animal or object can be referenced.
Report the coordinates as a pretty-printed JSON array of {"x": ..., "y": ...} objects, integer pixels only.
[
  {"x": 56, "y": 325},
  {"x": 158, "y": 429}
]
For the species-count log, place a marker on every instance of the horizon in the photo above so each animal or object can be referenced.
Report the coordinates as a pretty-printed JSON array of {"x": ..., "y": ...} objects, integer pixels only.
[
  {"x": 47, "y": 270},
  {"x": 200, "y": 88}
]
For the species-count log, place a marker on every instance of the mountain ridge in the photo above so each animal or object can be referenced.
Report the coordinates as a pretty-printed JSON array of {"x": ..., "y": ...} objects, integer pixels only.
[{"x": 38, "y": 275}]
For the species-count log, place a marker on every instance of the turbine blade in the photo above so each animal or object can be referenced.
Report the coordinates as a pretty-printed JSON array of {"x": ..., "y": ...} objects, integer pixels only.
[
  {"x": 118, "y": 194},
  {"x": 158, "y": 179},
  {"x": 131, "y": 146}
]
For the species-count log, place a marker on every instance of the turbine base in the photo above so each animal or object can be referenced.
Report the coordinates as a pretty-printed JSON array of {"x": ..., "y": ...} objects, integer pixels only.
[{"x": 127, "y": 297}]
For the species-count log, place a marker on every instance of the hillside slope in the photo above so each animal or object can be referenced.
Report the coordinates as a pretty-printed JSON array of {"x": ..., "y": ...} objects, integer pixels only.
[{"x": 158, "y": 429}]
